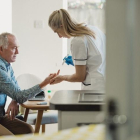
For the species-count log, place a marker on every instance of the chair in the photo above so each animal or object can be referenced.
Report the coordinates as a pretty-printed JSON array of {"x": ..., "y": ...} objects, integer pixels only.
[{"x": 26, "y": 81}]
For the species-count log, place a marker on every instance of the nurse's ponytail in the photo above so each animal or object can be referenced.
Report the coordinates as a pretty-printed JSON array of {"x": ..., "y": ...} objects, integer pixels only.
[{"x": 61, "y": 18}]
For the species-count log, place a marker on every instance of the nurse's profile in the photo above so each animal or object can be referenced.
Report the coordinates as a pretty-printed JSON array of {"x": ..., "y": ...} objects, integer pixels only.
[{"x": 87, "y": 49}]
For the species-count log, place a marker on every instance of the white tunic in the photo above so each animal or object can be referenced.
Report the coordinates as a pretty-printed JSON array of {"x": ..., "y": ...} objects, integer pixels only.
[{"x": 91, "y": 52}]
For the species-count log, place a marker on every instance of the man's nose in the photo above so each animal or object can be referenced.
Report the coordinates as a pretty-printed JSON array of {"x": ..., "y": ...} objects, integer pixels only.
[{"x": 17, "y": 52}]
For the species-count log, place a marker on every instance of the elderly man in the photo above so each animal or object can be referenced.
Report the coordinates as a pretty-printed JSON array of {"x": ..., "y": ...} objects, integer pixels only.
[{"x": 9, "y": 87}]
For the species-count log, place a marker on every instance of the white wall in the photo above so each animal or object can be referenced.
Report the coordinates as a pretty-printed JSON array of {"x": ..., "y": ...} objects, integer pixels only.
[
  {"x": 40, "y": 49},
  {"x": 6, "y": 24},
  {"x": 5, "y": 16}
]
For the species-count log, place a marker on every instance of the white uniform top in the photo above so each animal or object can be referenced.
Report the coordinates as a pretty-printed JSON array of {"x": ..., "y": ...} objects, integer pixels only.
[{"x": 91, "y": 52}]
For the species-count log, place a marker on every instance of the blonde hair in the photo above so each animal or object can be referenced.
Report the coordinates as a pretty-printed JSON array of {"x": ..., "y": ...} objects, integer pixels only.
[
  {"x": 71, "y": 28},
  {"x": 4, "y": 42}
]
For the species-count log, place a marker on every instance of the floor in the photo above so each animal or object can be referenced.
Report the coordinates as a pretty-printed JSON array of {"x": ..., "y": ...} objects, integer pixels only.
[{"x": 49, "y": 128}]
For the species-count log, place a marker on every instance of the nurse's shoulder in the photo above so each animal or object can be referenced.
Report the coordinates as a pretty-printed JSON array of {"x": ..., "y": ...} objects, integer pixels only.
[{"x": 78, "y": 40}]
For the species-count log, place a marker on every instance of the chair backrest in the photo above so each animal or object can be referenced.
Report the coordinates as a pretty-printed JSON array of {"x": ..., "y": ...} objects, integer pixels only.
[{"x": 27, "y": 80}]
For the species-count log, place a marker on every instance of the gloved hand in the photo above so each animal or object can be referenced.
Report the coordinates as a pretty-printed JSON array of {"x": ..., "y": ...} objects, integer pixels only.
[{"x": 68, "y": 60}]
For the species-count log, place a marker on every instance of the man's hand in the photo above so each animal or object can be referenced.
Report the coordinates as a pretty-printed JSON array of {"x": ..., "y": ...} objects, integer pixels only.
[
  {"x": 12, "y": 110},
  {"x": 48, "y": 79}
]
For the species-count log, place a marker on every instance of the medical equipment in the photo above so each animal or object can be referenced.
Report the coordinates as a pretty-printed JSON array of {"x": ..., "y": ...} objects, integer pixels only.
[
  {"x": 42, "y": 103},
  {"x": 64, "y": 60},
  {"x": 68, "y": 60}
]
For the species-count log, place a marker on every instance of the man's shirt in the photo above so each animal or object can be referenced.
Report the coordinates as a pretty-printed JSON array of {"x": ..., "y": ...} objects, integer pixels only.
[{"x": 9, "y": 87}]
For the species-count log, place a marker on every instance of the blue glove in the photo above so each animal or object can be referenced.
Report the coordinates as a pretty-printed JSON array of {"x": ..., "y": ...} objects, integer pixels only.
[{"x": 68, "y": 60}]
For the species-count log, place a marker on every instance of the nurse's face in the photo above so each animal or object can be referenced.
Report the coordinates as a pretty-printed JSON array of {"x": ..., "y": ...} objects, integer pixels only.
[{"x": 61, "y": 33}]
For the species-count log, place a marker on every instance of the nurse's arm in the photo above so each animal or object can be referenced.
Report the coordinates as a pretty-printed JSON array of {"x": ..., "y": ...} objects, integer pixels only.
[{"x": 78, "y": 76}]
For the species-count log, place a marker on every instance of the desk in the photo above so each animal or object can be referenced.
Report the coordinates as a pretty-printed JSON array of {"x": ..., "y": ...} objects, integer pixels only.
[
  {"x": 71, "y": 113},
  {"x": 33, "y": 105}
]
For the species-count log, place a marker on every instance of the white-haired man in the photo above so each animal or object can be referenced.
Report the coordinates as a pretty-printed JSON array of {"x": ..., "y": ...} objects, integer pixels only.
[{"x": 9, "y": 87}]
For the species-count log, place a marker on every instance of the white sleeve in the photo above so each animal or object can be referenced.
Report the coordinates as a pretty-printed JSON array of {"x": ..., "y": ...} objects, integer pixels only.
[{"x": 79, "y": 51}]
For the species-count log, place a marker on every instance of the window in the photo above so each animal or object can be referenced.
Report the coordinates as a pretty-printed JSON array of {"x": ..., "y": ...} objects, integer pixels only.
[{"x": 88, "y": 11}]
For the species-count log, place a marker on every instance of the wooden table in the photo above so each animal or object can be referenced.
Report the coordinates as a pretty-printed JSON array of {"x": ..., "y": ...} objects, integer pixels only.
[{"x": 33, "y": 105}]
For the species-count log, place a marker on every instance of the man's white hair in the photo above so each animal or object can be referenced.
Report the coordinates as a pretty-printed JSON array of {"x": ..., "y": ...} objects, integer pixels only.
[{"x": 4, "y": 39}]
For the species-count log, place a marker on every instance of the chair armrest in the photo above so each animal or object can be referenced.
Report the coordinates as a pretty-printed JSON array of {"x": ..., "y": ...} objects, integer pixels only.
[{"x": 4, "y": 131}]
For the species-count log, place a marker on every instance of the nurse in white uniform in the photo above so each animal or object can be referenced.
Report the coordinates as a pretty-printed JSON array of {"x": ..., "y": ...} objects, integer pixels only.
[{"x": 87, "y": 48}]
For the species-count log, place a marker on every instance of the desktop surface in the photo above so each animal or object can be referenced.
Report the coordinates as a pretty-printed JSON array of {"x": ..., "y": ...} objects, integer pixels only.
[{"x": 68, "y": 100}]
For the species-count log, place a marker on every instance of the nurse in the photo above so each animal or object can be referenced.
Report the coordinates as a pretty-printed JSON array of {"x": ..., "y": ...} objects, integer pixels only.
[{"x": 87, "y": 49}]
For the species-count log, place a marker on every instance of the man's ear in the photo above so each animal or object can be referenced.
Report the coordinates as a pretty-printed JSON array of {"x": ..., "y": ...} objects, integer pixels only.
[{"x": 1, "y": 49}]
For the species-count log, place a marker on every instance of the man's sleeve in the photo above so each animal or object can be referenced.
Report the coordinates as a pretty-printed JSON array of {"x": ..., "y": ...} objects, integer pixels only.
[
  {"x": 13, "y": 78},
  {"x": 9, "y": 87}
]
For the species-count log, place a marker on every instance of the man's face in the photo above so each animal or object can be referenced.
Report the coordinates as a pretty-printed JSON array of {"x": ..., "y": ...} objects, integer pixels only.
[{"x": 10, "y": 53}]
